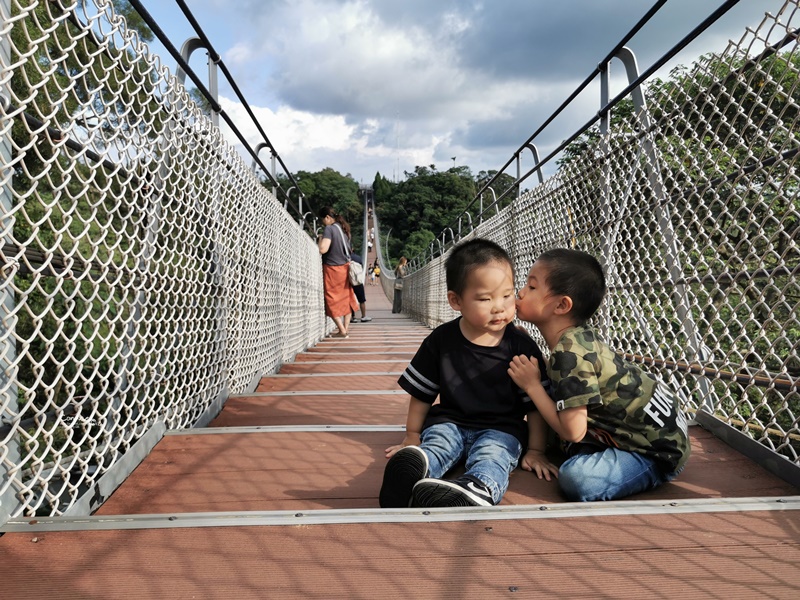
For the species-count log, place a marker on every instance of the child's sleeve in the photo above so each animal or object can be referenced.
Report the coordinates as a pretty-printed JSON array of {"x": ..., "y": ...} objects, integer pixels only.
[
  {"x": 421, "y": 377},
  {"x": 574, "y": 380}
]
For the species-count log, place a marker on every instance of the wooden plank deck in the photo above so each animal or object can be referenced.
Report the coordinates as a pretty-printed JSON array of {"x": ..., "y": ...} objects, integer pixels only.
[{"x": 278, "y": 499}]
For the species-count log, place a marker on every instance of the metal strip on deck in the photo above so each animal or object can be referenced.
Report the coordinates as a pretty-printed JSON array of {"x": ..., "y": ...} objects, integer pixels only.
[
  {"x": 402, "y": 515},
  {"x": 326, "y": 393},
  {"x": 387, "y": 353},
  {"x": 283, "y": 429},
  {"x": 343, "y": 362}
]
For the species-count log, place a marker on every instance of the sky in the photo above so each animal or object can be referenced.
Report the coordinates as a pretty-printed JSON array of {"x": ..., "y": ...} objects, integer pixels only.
[{"x": 368, "y": 86}]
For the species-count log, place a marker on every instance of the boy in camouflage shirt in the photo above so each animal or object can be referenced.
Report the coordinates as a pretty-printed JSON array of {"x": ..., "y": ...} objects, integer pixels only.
[{"x": 623, "y": 429}]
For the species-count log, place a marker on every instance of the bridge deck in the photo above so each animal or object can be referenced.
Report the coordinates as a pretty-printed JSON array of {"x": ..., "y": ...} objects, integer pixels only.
[{"x": 278, "y": 498}]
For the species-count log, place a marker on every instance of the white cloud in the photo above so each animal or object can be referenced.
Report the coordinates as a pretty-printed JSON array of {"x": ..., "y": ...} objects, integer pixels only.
[
  {"x": 240, "y": 54},
  {"x": 305, "y": 141}
]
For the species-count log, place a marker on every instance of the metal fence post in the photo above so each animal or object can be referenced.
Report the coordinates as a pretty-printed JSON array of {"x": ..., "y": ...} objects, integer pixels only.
[
  {"x": 9, "y": 410},
  {"x": 607, "y": 210},
  {"x": 672, "y": 258}
]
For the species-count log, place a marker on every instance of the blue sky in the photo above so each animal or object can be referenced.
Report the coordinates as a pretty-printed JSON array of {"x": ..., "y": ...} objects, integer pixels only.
[{"x": 384, "y": 85}]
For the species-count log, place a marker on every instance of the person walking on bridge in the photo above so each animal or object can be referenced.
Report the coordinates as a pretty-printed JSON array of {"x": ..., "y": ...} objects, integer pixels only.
[
  {"x": 334, "y": 246},
  {"x": 399, "y": 272}
]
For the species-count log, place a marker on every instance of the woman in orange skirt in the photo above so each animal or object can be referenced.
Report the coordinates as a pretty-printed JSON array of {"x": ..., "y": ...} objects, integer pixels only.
[{"x": 334, "y": 245}]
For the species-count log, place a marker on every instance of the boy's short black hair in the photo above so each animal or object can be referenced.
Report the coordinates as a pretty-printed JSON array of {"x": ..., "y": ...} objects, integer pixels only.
[
  {"x": 576, "y": 274},
  {"x": 469, "y": 255}
]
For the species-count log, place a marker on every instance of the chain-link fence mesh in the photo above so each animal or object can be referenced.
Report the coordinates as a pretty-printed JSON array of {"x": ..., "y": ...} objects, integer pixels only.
[
  {"x": 146, "y": 271},
  {"x": 692, "y": 205}
]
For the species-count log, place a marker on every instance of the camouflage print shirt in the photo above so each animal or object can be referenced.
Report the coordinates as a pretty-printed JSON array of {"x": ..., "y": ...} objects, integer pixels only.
[{"x": 627, "y": 407}]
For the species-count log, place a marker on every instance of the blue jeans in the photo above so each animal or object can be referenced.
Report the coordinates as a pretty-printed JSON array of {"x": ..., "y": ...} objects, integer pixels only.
[
  {"x": 491, "y": 455},
  {"x": 608, "y": 474}
]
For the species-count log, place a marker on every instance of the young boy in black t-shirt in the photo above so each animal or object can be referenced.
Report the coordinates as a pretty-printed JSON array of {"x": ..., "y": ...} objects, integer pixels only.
[{"x": 480, "y": 416}]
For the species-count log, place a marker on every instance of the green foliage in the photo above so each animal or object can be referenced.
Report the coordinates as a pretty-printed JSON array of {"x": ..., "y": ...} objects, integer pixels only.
[
  {"x": 381, "y": 188},
  {"x": 622, "y": 120},
  {"x": 201, "y": 101},
  {"x": 418, "y": 209},
  {"x": 504, "y": 183},
  {"x": 330, "y": 188},
  {"x": 720, "y": 131},
  {"x": 427, "y": 201},
  {"x": 76, "y": 218}
]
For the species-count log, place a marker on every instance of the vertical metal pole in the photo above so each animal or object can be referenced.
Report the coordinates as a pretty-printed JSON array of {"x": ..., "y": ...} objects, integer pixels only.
[
  {"x": 536, "y": 160},
  {"x": 299, "y": 204},
  {"x": 274, "y": 167},
  {"x": 188, "y": 48},
  {"x": 694, "y": 349},
  {"x": 365, "y": 238},
  {"x": 213, "y": 87},
  {"x": 9, "y": 410},
  {"x": 606, "y": 209},
  {"x": 225, "y": 321},
  {"x": 259, "y": 147}
]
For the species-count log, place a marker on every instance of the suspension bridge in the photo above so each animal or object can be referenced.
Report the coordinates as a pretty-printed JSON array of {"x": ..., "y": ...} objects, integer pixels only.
[{"x": 176, "y": 422}]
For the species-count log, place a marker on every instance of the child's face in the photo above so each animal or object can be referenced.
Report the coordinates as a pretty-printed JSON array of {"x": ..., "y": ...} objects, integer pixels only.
[
  {"x": 487, "y": 303},
  {"x": 535, "y": 303}
]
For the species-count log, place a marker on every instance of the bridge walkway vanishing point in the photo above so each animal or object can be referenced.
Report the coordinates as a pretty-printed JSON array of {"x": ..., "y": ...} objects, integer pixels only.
[{"x": 278, "y": 498}]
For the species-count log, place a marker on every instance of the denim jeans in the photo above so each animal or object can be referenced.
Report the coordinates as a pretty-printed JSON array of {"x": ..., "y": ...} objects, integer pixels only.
[
  {"x": 491, "y": 455},
  {"x": 608, "y": 474}
]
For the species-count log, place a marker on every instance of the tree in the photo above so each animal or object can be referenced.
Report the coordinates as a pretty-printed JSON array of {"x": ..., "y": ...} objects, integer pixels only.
[
  {"x": 382, "y": 188},
  {"x": 427, "y": 201},
  {"x": 500, "y": 186},
  {"x": 328, "y": 187}
]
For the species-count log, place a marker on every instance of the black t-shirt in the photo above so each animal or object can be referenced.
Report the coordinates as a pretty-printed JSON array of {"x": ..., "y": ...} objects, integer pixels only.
[{"x": 471, "y": 381}]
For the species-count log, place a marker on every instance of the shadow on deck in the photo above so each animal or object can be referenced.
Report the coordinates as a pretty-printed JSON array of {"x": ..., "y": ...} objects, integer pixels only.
[{"x": 278, "y": 498}]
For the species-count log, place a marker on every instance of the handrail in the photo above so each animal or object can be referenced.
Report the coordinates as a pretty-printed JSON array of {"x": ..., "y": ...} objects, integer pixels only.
[
  {"x": 214, "y": 56},
  {"x": 602, "y": 66}
]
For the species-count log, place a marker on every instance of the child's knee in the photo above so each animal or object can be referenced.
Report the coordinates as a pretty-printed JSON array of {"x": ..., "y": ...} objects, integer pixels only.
[
  {"x": 570, "y": 480},
  {"x": 579, "y": 483}
]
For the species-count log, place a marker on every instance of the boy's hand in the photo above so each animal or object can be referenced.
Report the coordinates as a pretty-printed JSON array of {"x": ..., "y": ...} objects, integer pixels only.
[
  {"x": 524, "y": 371},
  {"x": 411, "y": 439},
  {"x": 537, "y": 462}
]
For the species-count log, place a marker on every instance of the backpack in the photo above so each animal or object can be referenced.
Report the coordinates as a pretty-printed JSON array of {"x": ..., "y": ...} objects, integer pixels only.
[{"x": 356, "y": 273}]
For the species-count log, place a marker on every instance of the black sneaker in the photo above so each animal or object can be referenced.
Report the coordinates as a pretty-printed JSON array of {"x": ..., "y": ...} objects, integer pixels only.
[
  {"x": 464, "y": 491},
  {"x": 404, "y": 469}
]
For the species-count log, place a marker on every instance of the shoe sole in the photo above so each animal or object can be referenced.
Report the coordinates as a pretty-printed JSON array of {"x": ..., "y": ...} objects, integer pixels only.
[
  {"x": 403, "y": 470},
  {"x": 432, "y": 493}
]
